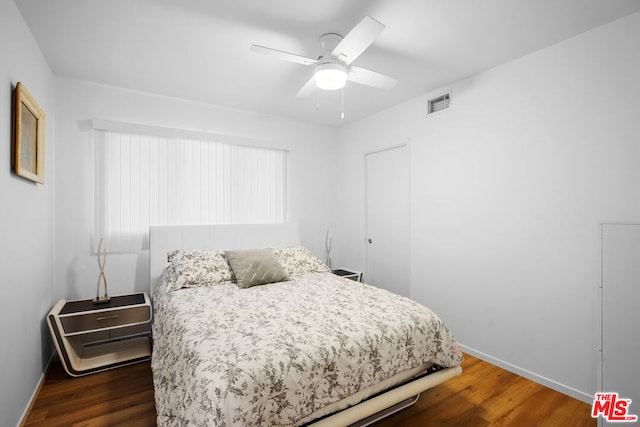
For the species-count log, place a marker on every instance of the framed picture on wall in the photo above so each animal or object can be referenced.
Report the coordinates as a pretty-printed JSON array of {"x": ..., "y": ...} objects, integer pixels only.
[{"x": 28, "y": 136}]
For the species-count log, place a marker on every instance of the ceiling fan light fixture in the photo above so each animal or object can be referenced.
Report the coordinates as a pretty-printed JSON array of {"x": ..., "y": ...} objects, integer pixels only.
[{"x": 331, "y": 76}]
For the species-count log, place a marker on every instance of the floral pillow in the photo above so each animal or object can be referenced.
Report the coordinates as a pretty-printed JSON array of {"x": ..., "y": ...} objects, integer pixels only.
[
  {"x": 297, "y": 260},
  {"x": 198, "y": 267}
]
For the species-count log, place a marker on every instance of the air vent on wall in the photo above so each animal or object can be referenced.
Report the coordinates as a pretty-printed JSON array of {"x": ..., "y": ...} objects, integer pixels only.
[{"x": 439, "y": 103}]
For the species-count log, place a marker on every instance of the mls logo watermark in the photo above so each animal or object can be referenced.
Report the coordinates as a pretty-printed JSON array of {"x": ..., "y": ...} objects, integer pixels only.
[{"x": 612, "y": 408}]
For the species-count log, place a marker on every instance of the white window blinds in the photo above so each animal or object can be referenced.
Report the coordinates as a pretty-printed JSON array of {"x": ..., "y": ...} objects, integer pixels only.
[{"x": 144, "y": 180}]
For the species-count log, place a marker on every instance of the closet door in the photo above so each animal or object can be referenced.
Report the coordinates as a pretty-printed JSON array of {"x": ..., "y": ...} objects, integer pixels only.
[
  {"x": 388, "y": 219},
  {"x": 621, "y": 312}
]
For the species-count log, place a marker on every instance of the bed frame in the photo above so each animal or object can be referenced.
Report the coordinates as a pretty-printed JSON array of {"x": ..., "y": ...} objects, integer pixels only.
[{"x": 162, "y": 239}]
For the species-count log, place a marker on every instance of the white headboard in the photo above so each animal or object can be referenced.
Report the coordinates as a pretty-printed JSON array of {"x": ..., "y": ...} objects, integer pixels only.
[{"x": 164, "y": 238}]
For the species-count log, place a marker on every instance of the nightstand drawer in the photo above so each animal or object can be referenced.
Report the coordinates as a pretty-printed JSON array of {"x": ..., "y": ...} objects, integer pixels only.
[{"x": 83, "y": 322}]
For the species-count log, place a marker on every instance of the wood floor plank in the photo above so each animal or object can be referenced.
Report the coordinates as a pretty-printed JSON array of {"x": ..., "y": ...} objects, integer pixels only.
[{"x": 484, "y": 395}]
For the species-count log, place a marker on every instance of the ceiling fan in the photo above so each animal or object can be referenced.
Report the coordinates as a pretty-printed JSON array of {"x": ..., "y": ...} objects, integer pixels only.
[{"x": 333, "y": 67}]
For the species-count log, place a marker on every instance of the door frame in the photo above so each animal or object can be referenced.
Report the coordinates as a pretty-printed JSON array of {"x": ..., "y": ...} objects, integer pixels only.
[{"x": 404, "y": 143}]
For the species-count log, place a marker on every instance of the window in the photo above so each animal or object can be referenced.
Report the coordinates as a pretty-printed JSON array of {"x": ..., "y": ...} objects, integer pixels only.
[{"x": 143, "y": 180}]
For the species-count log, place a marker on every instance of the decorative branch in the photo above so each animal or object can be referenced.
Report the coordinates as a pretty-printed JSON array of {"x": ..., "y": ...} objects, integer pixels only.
[{"x": 101, "y": 277}]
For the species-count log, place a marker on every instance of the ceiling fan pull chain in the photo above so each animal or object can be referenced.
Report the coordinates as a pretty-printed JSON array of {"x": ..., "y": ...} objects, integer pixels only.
[
  {"x": 318, "y": 100},
  {"x": 342, "y": 95}
]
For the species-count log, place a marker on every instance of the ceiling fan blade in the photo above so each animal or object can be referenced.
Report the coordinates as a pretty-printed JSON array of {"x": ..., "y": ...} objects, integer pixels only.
[
  {"x": 358, "y": 39},
  {"x": 370, "y": 78},
  {"x": 308, "y": 89},
  {"x": 291, "y": 57}
]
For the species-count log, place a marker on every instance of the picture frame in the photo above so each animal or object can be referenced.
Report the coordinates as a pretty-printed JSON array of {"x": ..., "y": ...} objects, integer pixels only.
[{"x": 29, "y": 124}]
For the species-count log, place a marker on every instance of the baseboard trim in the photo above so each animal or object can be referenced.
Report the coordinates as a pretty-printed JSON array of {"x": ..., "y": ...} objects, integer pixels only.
[
  {"x": 562, "y": 388},
  {"x": 34, "y": 395}
]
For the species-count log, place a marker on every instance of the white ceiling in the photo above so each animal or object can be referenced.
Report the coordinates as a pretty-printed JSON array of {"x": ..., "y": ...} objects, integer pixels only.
[{"x": 199, "y": 49}]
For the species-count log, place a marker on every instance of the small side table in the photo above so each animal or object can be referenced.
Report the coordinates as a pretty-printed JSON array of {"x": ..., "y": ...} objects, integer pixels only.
[
  {"x": 95, "y": 337},
  {"x": 347, "y": 273}
]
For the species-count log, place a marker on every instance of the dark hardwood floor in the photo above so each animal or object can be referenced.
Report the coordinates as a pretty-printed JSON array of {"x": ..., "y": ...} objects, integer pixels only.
[
  {"x": 119, "y": 397},
  {"x": 484, "y": 395}
]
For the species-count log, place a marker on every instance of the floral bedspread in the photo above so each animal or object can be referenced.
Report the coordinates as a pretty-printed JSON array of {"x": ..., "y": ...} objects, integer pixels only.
[{"x": 273, "y": 355}]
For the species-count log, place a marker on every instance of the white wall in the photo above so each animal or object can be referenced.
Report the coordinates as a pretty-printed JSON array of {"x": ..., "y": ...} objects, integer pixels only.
[
  {"x": 76, "y": 271},
  {"x": 26, "y": 226},
  {"x": 508, "y": 188}
]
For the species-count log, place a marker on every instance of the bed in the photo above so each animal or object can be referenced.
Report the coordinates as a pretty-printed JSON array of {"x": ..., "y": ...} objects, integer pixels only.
[{"x": 314, "y": 349}]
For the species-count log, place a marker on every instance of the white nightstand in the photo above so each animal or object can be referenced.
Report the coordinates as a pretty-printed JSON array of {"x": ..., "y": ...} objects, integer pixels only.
[
  {"x": 96, "y": 337},
  {"x": 348, "y": 273}
]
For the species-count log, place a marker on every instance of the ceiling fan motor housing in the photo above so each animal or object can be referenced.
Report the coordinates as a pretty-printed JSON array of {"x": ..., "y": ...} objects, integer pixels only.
[{"x": 329, "y": 41}]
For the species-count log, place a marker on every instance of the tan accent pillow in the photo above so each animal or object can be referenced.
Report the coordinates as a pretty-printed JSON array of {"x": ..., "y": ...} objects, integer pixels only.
[{"x": 255, "y": 267}]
